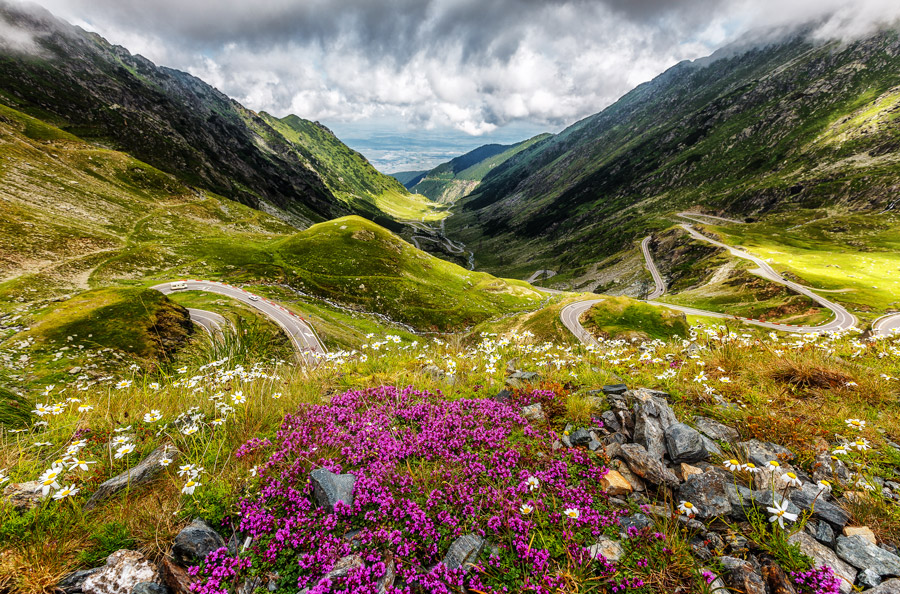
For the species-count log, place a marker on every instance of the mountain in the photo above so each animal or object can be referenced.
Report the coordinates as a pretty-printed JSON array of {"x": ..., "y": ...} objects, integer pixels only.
[
  {"x": 754, "y": 130},
  {"x": 99, "y": 92},
  {"x": 408, "y": 178},
  {"x": 452, "y": 180}
]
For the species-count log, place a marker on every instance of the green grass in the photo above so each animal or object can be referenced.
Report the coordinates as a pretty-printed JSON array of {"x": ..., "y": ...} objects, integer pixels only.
[{"x": 621, "y": 317}]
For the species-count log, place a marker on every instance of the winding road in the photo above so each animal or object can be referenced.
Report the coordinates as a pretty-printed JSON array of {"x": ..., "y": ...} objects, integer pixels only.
[
  {"x": 301, "y": 334},
  {"x": 886, "y": 325},
  {"x": 651, "y": 266},
  {"x": 210, "y": 321}
]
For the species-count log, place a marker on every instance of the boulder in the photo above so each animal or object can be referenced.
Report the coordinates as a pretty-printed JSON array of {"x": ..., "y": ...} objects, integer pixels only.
[
  {"x": 684, "y": 443},
  {"x": 72, "y": 583},
  {"x": 634, "y": 480},
  {"x": 652, "y": 416},
  {"x": 195, "y": 542},
  {"x": 610, "y": 422},
  {"x": 888, "y": 587},
  {"x": 830, "y": 469},
  {"x": 144, "y": 472},
  {"x": 464, "y": 552},
  {"x": 868, "y": 579},
  {"x": 761, "y": 452},
  {"x": 534, "y": 413},
  {"x": 648, "y": 468},
  {"x": 715, "y": 430},
  {"x": 175, "y": 577},
  {"x": 861, "y": 554},
  {"x": 329, "y": 488},
  {"x": 712, "y": 447},
  {"x": 809, "y": 497},
  {"x": 124, "y": 570},
  {"x": 607, "y": 548},
  {"x": 863, "y": 531},
  {"x": 823, "y": 555},
  {"x": 23, "y": 496},
  {"x": 615, "y": 484},
  {"x": 149, "y": 588},
  {"x": 580, "y": 438},
  {"x": 707, "y": 492},
  {"x": 614, "y": 389},
  {"x": 741, "y": 576},
  {"x": 825, "y": 534}
]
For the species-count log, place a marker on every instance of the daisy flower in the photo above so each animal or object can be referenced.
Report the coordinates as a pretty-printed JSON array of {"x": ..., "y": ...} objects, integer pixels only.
[
  {"x": 824, "y": 485},
  {"x": 572, "y": 513},
  {"x": 67, "y": 491},
  {"x": 687, "y": 508},
  {"x": 152, "y": 416},
  {"x": 165, "y": 461},
  {"x": 780, "y": 513},
  {"x": 525, "y": 509},
  {"x": 533, "y": 483},
  {"x": 862, "y": 444},
  {"x": 123, "y": 384},
  {"x": 188, "y": 488},
  {"x": 733, "y": 465},
  {"x": 856, "y": 424},
  {"x": 85, "y": 408},
  {"x": 790, "y": 479},
  {"x": 124, "y": 450},
  {"x": 751, "y": 468}
]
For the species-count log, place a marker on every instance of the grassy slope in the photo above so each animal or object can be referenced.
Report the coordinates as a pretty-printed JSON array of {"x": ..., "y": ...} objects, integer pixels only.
[
  {"x": 621, "y": 317},
  {"x": 454, "y": 179},
  {"x": 347, "y": 173}
]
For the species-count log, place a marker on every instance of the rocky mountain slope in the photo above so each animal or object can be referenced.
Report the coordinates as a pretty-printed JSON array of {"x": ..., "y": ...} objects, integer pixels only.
[
  {"x": 757, "y": 128},
  {"x": 460, "y": 176},
  {"x": 101, "y": 93}
]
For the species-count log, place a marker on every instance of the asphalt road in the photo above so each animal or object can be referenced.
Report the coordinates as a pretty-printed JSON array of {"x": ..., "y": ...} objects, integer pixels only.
[
  {"x": 210, "y": 321},
  {"x": 884, "y": 325},
  {"x": 301, "y": 334},
  {"x": 651, "y": 266},
  {"x": 571, "y": 316}
]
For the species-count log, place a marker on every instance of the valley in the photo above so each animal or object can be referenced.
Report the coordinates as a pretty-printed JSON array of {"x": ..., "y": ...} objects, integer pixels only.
[{"x": 655, "y": 351}]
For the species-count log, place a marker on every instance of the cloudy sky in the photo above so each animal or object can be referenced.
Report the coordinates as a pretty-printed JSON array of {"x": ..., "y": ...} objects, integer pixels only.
[{"x": 410, "y": 82}]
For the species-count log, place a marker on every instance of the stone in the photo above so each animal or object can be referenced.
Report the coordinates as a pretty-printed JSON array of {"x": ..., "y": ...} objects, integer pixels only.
[
  {"x": 503, "y": 395},
  {"x": 707, "y": 492},
  {"x": 762, "y": 452},
  {"x": 343, "y": 566},
  {"x": 649, "y": 469},
  {"x": 72, "y": 583},
  {"x": 863, "y": 531},
  {"x": 809, "y": 497},
  {"x": 195, "y": 542},
  {"x": 712, "y": 447},
  {"x": 868, "y": 579},
  {"x": 329, "y": 488},
  {"x": 825, "y": 534},
  {"x": 652, "y": 416},
  {"x": 822, "y": 555},
  {"x": 637, "y": 520},
  {"x": 684, "y": 443},
  {"x": 124, "y": 570},
  {"x": 637, "y": 484},
  {"x": 888, "y": 587},
  {"x": 175, "y": 576},
  {"x": 608, "y": 548},
  {"x": 830, "y": 469},
  {"x": 610, "y": 421},
  {"x": 149, "y": 588},
  {"x": 580, "y": 438},
  {"x": 614, "y": 389},
  {"x": 741, "y": 576},
  {"x": 23, "y": 496},
  {"x": 534, "y": 413},
  {"x": 738, "y": 543},
  {"x": 861, "y": 554},
  {"x": 688, "y": 470},
  {"x": 75, "y": 370},
  {"x": 464, "y": 552},
  {"x": 142, "y": 473},
  {"x": 776, "y": 580},
  {"x": 615, "y": 484},
  {"x": 715, "y": 430}
]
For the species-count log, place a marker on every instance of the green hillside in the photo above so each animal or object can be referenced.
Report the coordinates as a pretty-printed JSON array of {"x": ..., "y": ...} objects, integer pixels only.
[
  {"x": 456, "y": 178},
  {"x": 753, "y": 131},
  {"x": 348, "y": 174}
]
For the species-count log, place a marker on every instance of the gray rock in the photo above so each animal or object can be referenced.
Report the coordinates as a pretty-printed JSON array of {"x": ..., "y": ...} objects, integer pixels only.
[
  {"x": 862, "y": 554},
  {"x": 638, "y": 520},
  {"x": 71, "y": 584},
  {"x": 608, "y": 548},
  {"x": 650, "y": 469},
  {"x": 741, "y": 576},
  {"x": 823, "y": 555},
  {"x": 149, "y": 588},
  {"x": 829, "y": 469},
  {"x": 652, "y": 416},
  {"x": 534, "y": 413},
  {"x": 580, "y": 437},
  {"x": 761, "y": 452},
  {"x": 684, "y": 443},
  {"x": 712, "y": 447},
  {"x": 144, "y": 472},
  {"x": 825, "y": 534},
  {"x": 808, "y": 497},
  {"x": 23, "y": 496},
  {"x": 715, "y": 430},
  {"x": 610, "y": 422},
  {"x": 195, "y": 542},
  {"x": 329, "y": 488},
  {"x": 888, "y": 587},
  {"x": 464, "y": 552},
  {"x": 868, "y": 579},
  {"x": 707, "y": 492},
  {"x": 614, "y": 389},
  {"x": 123, "y": 571},
  {"x": 527, "y": 376},
  {"x": 618, "y": 402},
  {"x": 743, "y": 500},
  {"x": 503, "y": 395},
  {"x": 343, "y": 566}
]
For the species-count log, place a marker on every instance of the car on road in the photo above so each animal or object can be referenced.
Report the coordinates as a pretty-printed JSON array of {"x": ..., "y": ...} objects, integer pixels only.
[
  {"x": 178, "y": 285},
  {"x": 254, "y": 297}
]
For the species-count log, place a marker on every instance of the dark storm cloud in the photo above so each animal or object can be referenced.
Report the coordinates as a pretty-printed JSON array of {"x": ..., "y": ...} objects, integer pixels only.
[{"x": 472, "y": 64}]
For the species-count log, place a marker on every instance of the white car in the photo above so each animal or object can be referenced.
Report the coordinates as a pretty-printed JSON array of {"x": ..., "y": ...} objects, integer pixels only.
[
  {"x": 254, "y": 297},
  {"x": 178, "y": 285}
]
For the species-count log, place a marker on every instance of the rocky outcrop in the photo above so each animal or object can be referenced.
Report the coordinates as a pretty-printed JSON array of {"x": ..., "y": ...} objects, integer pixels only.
[
  {"x": 144, "y": 472},
  {"x": 123, "y": 571}
]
